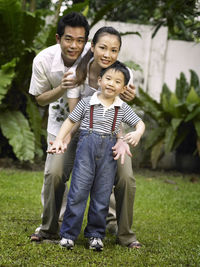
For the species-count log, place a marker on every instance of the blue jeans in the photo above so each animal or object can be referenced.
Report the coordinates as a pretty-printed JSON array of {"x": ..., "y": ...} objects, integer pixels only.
[{"x": 94, "y": 172}]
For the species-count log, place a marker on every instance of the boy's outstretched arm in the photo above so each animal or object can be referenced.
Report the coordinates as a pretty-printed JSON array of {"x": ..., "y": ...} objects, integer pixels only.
[{"x": 59, "y": 145}]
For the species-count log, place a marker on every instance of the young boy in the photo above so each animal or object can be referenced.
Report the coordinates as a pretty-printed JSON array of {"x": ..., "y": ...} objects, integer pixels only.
[{"x": 94, "y": 167}]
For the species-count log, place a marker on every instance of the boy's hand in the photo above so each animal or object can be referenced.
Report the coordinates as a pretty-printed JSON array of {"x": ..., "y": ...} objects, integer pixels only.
[
  {"x": 120, "y": 149},
  {"x": 132, "y": 138},
  {"x": 129, "y": 93},
  {"x": 58, "y": 147}
]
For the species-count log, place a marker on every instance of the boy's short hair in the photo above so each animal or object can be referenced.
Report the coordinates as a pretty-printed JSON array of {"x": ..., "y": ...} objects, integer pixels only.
[
  {"x": 73, "y": 19},
  {"x": 118, "y": 66}
]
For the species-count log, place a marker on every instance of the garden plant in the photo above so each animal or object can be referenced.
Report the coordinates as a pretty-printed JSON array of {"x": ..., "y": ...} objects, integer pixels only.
[{"x": 175, "y": 120}]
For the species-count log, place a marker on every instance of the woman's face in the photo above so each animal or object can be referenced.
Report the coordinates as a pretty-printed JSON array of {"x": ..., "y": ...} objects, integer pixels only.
[{"x": 106, "y": 50}]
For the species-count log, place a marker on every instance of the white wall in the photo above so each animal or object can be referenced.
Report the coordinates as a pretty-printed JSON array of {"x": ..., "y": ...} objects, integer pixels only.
[
  {"x": 162, "y": 60},
  {"x": 181, "y": 56}
]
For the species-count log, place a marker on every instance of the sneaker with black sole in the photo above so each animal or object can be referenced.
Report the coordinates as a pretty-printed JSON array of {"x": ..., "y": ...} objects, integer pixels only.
[
  {"x": 95, "y": 243},
  {"x": 67, "y": 243}
]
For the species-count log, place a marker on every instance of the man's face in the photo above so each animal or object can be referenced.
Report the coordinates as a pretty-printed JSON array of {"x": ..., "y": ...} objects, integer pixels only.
[{"x": 72, "y": 43}]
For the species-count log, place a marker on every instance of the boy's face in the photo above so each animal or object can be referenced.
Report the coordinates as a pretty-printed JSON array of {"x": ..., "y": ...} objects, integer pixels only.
[
  {"x": 112, "y": 83},
  {"x": 72, "y": 43}
]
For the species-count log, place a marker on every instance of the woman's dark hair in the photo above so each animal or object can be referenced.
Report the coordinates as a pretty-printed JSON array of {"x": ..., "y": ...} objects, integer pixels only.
[
  {"x": 81, "y": 71},
  {"x": 73, "y": 19},
  {"x": 118, "y": 66}
]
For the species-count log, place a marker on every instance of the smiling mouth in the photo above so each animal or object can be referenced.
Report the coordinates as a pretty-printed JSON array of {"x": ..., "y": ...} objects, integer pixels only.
[
  {"x": 110, "y": 89},
  {"x": 72, "y": 52},
  {"x": 106, "y": 62}
]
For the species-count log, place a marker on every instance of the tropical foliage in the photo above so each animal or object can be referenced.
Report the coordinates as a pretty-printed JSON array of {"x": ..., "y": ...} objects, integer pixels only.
[
  {"x": 181, "y": 17},
  {"x": 22, "y": 35},
  {"x": 20, "y": 120},
  {"x": 175, "y": 120}
]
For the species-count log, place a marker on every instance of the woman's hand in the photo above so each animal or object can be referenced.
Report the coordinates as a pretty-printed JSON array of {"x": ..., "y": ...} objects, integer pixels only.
[{"x": 129, "y": 94}]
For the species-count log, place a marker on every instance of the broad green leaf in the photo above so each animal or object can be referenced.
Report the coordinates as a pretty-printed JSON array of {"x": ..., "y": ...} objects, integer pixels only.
[
  {"x": 156, "y": 153},
  {"x": 170, "y": 136},
  {"x": 182, "y": 87},
  {"x": 133, "y": 65},
  {"x": 148, "y": 105},
  {"x": 175, "y": 123},
  {"x": 193, "y": 114},
  {"x": 85, "y": 11},
  {"x": 198, "y": 146},
  {"x": 197, "y": 127},
  {"x": 154, "y": 136},
  {"x": 193, "y": 97},
  {"x": 15, "y": 127},
  {"x": 35, "y": 123},
  {"x": 170, "y": 105},
  {"x": 165, "y": 97},
  {"x": 166, "y": 91},
  {"x": 7, "y": 73},
  {"x": 194, "y": 82},
  {"x": 78, "y": 7},
  {"x": 20, "y": 27},
  {"x": 181, "y": 135}
]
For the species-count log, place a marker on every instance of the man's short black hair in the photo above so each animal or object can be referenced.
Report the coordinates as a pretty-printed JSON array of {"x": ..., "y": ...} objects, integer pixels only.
[
  {"x": 73, "y": 19},
  {"x": 118, "y": 66}
]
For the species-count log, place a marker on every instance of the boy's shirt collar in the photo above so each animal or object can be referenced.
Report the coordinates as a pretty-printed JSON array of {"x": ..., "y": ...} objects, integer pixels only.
[{"x": 96, "y": 101}]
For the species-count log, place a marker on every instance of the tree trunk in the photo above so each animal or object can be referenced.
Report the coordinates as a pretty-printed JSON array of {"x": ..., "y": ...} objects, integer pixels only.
[
  {"x": 24, "y": 4},
  {"x": 32, "y": 5},
  {"x": 57, "y": 12}
]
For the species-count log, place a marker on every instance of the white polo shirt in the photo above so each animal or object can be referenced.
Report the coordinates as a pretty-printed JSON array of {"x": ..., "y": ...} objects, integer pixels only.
[{"x": 47, "y": 72}]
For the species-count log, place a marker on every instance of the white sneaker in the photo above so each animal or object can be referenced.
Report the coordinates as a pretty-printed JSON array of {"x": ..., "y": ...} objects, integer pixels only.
[
  {"x": 95, "y": 243},
  {"x": 67, "y": 243},
  {"x": 37, "y": 230}
]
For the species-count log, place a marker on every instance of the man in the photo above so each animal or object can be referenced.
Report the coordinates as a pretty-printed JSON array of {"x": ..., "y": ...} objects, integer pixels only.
[{"x": 49, "y": 84}]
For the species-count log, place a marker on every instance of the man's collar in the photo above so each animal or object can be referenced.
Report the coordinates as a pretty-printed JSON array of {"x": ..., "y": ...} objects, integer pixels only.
[
  {"x": 57, "y": 64},
  {"x": 96, "y": 101}
]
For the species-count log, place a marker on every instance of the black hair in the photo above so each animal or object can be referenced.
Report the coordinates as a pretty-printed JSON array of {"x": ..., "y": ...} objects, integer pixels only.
[
  {"x": 73, "y": 19},
  {"x": 81, "y": 71},
  {"x": 105, "y": 30},
  {"x": 118, "y": 66}
]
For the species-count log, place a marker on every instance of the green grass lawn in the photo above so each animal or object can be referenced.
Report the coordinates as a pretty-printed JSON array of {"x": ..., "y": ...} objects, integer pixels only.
[{"x": 166, "y": 221}]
